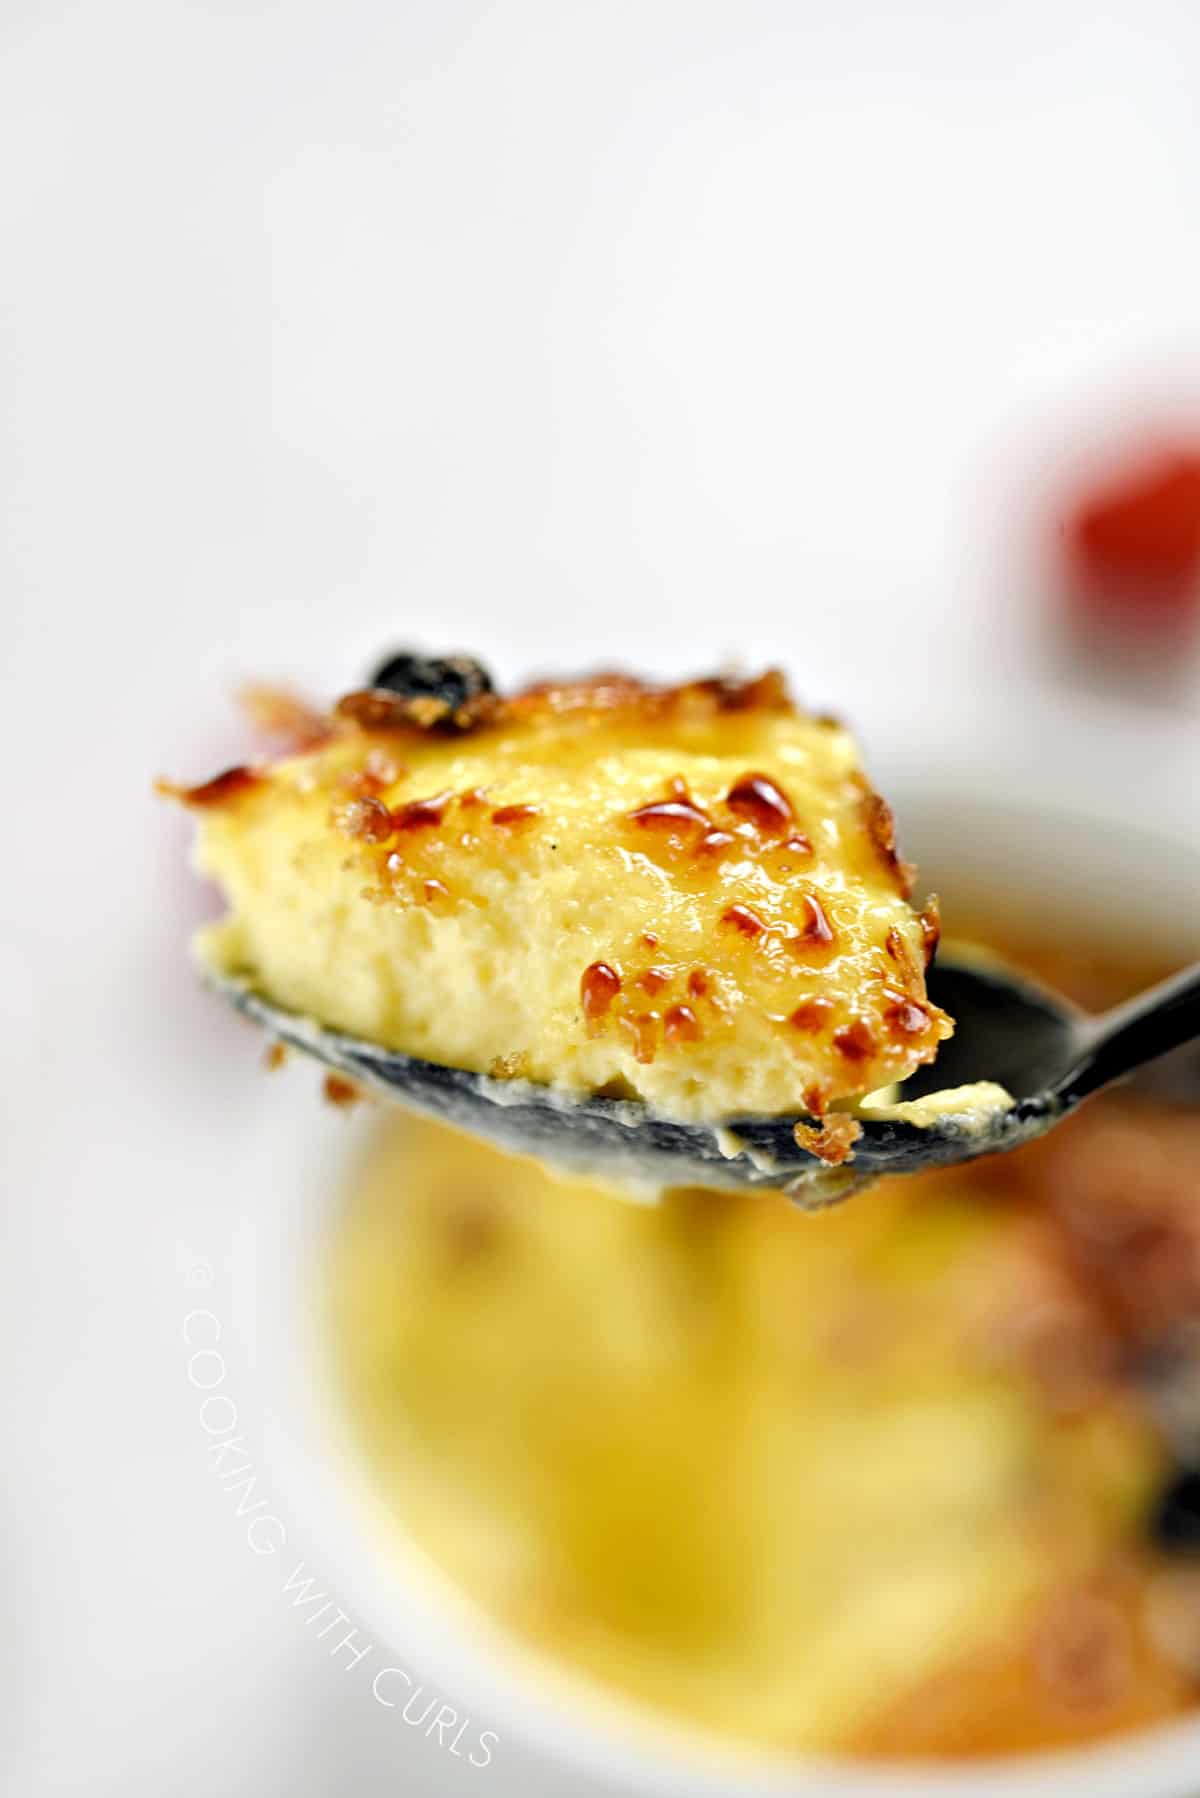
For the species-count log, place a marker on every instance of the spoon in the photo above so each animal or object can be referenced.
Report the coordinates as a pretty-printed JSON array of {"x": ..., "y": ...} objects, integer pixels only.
[{"x": 1048, "y": 1054}]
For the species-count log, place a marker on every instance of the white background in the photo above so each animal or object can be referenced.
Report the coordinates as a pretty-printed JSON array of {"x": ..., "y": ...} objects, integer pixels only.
[{"x": 622, "y": 331}]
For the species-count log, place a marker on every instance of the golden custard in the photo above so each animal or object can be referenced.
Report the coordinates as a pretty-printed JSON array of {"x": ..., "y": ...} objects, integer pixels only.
[
  {"x": 689, "y": 895},
  {"x": 874, "y": 1480}
]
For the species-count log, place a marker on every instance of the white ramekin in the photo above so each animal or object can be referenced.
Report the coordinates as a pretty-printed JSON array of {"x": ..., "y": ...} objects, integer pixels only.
[{"x": 1059, "y": 810}]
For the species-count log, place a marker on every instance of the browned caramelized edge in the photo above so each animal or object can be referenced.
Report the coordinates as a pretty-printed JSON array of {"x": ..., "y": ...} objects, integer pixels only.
[
  {"x": 756, "y": 797},
  {"x": 373, "y": 709},
  {"x": 222, "y": 789},
  {"x": 377, "y": 709},
  {"x": 832, "y": 1140},
  {"x": 606, "y": 691},
  {"x": 881, "y": 829}
]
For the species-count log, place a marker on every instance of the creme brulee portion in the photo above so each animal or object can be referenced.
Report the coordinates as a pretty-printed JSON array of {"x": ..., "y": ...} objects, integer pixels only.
[
  {"x": 875, "y": 1482},
  {"x": 689, "y": 895}
]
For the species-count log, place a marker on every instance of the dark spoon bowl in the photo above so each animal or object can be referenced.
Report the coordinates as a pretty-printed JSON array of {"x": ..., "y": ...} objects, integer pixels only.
[{"x": 1045, "y": 1052}]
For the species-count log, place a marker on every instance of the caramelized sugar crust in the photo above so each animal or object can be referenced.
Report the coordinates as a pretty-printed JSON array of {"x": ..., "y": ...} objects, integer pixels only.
[{"x": 689, "y": 893}]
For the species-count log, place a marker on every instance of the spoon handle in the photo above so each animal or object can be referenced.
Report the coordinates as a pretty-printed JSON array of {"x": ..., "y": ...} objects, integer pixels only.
[{"x": 1122, "y": 1040}]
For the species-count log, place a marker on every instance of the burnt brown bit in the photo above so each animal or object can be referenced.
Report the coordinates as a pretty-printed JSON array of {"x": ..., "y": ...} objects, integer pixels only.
[
  {"x": 762, "y": 802},
  {"x": 766, "y": 692},
  {"x": 222, "y": 789},
  {"x": 698, "y": 983},
  {"x": 274, "y": 1056},
  {"x": 654, "y": 980},
  {"x": 900, "y": 951},
  {"x": 374, "y": 708},
  {"x": 677, "y": 814},
  {"x": 642, "y": 1026},
  {"x": 433, "y": 889},
  {"x": 599, "y": 985},
  {"x": 816, "y": 930},
  {"x": 744, "y": 920},
  {"x": 811, "y": 1015},
  {"x": 650, "y": 939},
  {"x": 831, "y": 1141},
  {"x": 816, "y": 1100},
  {"x": 681, "y": 1025},
  {"x": 421, "y": 814},
  {"x": 881, "y": 829},
  {"x": 907, "y": 1015},
  {"x": 855, "y": 1040},
  {"x": 512, "y": 817},
  {"x": 341, "y": 1092},
  {"x": 930, "y": 921},
  {"x": 366, "y": 819},
  {"x": 669, "y": 815}
]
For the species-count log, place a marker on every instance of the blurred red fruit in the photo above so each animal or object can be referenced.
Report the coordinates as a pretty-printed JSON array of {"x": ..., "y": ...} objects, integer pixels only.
[{"x": 1133, "y": 543}]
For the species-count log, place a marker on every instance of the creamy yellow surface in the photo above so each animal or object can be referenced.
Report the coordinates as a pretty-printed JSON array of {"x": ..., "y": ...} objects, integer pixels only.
[
  {"x": 468, "y": 940},
  {"x": 771, "y": 1473}
]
